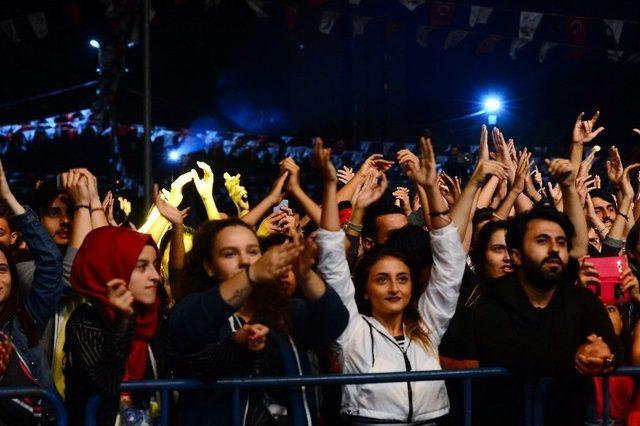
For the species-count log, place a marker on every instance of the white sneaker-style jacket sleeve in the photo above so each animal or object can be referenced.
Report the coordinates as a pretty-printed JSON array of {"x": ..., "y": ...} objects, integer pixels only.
[
  {"x": 438, "y": 302},
  {"x": 334, "y": 268}
]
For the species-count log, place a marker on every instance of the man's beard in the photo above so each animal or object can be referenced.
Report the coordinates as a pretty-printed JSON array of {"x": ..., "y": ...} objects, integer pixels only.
[{"x": 544, "y": 279}]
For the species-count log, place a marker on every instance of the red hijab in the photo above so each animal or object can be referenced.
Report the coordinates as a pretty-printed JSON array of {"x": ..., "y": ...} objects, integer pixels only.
[{"x": 112, "y": 252}]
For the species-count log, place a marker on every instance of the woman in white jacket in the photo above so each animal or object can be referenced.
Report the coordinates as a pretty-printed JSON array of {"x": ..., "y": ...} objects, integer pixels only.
[{"x": 398, "y": 327}]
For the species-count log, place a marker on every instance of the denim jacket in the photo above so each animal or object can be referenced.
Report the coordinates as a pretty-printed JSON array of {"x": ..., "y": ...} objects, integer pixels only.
[{"x": 41, "y": 300}]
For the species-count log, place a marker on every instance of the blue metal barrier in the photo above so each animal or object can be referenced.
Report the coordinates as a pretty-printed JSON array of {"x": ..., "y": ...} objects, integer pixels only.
[
  {"x": 46, "y": 394},
  {"x": 164, "y": 386},
  {"x": 621, "y": 371}
]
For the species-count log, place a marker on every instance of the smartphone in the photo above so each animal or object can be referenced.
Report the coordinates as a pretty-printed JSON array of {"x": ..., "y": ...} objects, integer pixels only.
[
  {"x": 283, "y": 204},
  {"x": 610, "y": 288}
]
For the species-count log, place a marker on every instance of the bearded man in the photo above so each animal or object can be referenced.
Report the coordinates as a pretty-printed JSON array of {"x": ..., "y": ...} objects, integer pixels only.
[{"x": 538, "y": 323}]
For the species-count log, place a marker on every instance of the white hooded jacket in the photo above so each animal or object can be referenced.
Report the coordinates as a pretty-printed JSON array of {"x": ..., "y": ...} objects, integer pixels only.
[{"x": 366, "y": 347}]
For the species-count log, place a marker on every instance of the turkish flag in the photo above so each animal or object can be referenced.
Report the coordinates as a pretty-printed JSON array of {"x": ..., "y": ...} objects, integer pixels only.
[
  {"x": 576, "y": 29},
  {"x": 442, "y": 13}
]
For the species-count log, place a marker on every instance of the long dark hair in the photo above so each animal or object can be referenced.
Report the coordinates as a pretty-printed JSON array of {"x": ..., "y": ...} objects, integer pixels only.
[
  {"x": 415, "y": 327},
  {"x": 268, "y": 303},
  {"x": 482, "y": 244},
  {"x": 194, "y": 276},
  {"x": 10, "y": 306}
]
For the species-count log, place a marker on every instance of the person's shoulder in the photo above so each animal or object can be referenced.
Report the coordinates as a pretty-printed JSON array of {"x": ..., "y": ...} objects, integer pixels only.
[
  {"x": 582, "y": 294},
  {"x": 85, "y": 315}
]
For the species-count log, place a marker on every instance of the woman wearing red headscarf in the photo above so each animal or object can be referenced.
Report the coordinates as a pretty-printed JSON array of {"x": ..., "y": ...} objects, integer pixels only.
[{"x": 108, "y": 338}]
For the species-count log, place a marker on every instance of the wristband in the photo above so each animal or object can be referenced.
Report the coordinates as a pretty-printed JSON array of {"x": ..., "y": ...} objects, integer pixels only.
[
  {"x": 97, "y": 209},
  {"x": 626, "y": 217},
  {"x": 81, "y": 206},
  {"x": 354, "y": 228}
]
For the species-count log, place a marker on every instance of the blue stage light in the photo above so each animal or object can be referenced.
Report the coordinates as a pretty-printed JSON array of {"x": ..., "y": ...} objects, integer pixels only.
[
  {"x": 94, "y": 43},
  {"x": 174, "y": 155},
  {"x": 492, "y": 105}
]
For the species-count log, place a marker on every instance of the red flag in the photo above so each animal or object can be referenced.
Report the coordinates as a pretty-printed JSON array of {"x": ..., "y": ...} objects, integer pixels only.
[
  {"x": 442, "y": 13},
  {"x": 488, "y": 44},
  {"x": 576, "y": 30},
  {"x": 74, "y": 14},
  {"x": 291, "y": 17}
]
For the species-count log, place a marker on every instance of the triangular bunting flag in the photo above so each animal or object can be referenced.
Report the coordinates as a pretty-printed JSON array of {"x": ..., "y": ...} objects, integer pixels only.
[
  {"x": 615, "y": 55},
  {"x": 359, "y": 24},
  {"x": 479, "y": 15},
  {"x": 411, "y": 4},
  {"x": 422, "y": 34},
  {"x": 488, "y": 44},
  {"x": 546, "y": 46},
  {"x": 576, "y": 30},
  {"x": 9, "y": 29},
  {"x": 516, "y": 45},
  {"x": 256, "y": 6},
  {"x": 442, "y": 13},
  {"x": 454, "y": 37},
  {"x": 38, "y": 23},
  {"x": 529, "y": 22},
  {"x": 614, "y": 28},
  {"x": 327, "y": 21}
]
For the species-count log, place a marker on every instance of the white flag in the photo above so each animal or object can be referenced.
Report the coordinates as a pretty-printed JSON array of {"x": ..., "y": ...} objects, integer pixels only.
[
  {"x": 615, "y": 55},
  {"x": 422, "y": 34},
  {"x": 529, "y": 22},
  {"x": 517, "y": 44},
  {"x": 412, "y": 4},
  {"x": 326, "y": 24},
  {"x": 38, "y": 23},
  {"x": 546, "y": 46},
  {"x": 454, "y": 37},
  {"x": 256, "y": 6},
  {"x": 479, "y": 15},
  {"x": 10, "y": 30},
  {"x": 359, "y": 24},
  {"x": 614, "y": 28}
]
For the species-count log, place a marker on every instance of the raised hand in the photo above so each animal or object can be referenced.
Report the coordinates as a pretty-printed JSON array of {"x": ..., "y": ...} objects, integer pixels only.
[
  {"x": 322, "y": 160},
  {"x": 401, "y": 194},
  {"x": 562, "y": 171},
  {"x": 625, "y": 181},
  {"x": 289, "y": 166},
  {"x": 107, "y": 206},
  {"x": 345, "y": 174},
  {"x": 583, "y": 130},
  {"x": 486, "y": 168},
  {"x": 630, "y": 283},
  {"x": 120, "y": 297},
  {"x": 5, "y": 190},
  {"x": 275, "y": 262},
  {"x": 614, "y": 168},
  {"x": 237, "y": 192},
  {"x": 522, "y": 172},
  {"x": 169, "y": 212},
  {"x": 503, "y": 153},
  {"x": 204, "y": 186},
  {"x": 483, "y": 151},
  {"x": 253, "y": 336},
  {"x": 272, "y": 224},
  {"x": 424, "y": 173},
  {"x": 370, "y": 191},
  {"x": 77, "y": 186},
  {"x": 374, "y": 162},
  {"x": 584, "y": 184},
  {"x": 585, "y": 165},
  {"x": 277, "y": 189},
  {"x": 175, "y": 197},
  {"x": 636, "y": 131}
]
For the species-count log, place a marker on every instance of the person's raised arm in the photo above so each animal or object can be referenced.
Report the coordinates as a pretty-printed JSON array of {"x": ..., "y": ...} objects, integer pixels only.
[
  {"x": 374, "y": 162},
  {"x": 329, "y": 218},
  {"x": 427, "y": 177},
  {"x": 582, "y": 134},
  {"x": 462, "y": 209},
  {"x": 624, "y": 204},
  {"x": 522, "y": 171},
  {"x": 237, "y": 193},
  {"x": 204, "y": 187},
  {"x": 156, "y": 224},
  {"x": 98, "y": 217},
  {"x": 76, "y": 185},
  {"x": 563, "y": 172},
  {"x": 273, "y": 198},
  {"x": 411, "y": 163},
  {"x": 289, "y": 166}
]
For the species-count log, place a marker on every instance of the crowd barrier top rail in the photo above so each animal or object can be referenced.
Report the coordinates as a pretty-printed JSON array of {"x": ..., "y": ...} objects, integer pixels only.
[{"x": 46, "y": 394}]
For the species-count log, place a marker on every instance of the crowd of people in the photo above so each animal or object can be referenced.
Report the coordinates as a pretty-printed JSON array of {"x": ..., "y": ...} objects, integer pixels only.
[{"x": 503, "y": 270}]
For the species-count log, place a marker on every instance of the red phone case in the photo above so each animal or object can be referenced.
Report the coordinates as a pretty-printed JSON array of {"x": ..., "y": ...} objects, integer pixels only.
[{"x": 610, "y": 269}]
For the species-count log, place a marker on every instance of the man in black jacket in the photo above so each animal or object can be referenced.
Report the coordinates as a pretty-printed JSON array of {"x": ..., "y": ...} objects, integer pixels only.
[{"x": 537, "y": 323}]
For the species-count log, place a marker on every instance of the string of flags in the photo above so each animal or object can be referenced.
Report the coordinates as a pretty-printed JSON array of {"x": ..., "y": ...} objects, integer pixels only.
[{"x": 441, "y": 14}]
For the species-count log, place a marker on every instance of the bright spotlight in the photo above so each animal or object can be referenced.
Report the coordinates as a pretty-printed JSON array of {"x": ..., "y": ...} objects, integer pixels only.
[
  {"x": 174, "y": 155},
  {"x": 94, "y": 43},
  {"x": 492, "y": 105}
]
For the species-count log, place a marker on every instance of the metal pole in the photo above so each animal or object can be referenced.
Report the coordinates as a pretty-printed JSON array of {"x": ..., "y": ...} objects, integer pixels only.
[{"x": 146, "y": 16}]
